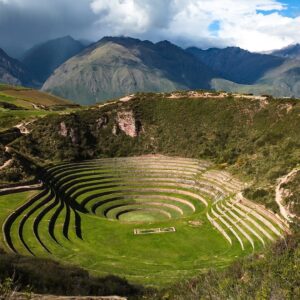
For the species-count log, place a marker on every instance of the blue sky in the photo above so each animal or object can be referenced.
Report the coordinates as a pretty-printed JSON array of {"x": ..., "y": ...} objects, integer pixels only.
[
  {"x": 293, "y": 8},
  {"x": 255, "y": 25}
]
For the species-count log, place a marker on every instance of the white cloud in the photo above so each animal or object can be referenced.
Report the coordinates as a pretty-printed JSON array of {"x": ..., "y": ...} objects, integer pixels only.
[
  {"x": 132, "y": 16},
  {"x": 256, "y": 25}
]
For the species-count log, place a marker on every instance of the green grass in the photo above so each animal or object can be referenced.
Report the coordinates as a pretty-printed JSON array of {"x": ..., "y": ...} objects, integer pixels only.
[
  {"x": 111, "y": 247},
  {"x": 26, "y": 104},
  {"x": 9, "y": 203},
  {"x": 108, "y": 244},
  {"x": 141, "y": 217},
  {"x": 9, "y": 118}
]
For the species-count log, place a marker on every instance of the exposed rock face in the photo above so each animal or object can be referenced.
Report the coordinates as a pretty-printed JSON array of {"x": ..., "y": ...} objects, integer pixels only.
[
  {"x": 115, "y": 130},
  {"x": 101, "y": 122},
  {"x": 127, "y": 123},
  {"x": 65, "y": 132},
  {"x": 63, "y": 129},
  {"x": 74, "y": 136}
]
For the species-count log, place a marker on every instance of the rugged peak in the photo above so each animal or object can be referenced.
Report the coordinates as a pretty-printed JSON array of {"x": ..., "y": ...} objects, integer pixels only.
[
  {"x": 13, "y": 72},
  {"x": 3, "y": 53},
  {"x": 126, "y": 41},
  {"x": 44, "y": 58},
  {"x": 292, "y": 51},
  {"x": 103, "y": 71}
]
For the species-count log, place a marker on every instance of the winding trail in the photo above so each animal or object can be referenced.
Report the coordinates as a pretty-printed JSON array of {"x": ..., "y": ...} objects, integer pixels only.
[
  {"x": 6, "y": 164},
  {"x": 22, "y": 188},
  {"x": 284, "y": 210}
]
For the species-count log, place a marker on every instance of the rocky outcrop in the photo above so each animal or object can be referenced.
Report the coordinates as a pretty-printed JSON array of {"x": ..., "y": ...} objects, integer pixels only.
[
  {"x": 65, "y": 132},
  {"x": 126, "y": 122},
  {"x": 63, "y": 129},
  {"x": 282, "y": 194},
  {"x": 102, "y": 122},
  {"x": 74, "y": 136}
]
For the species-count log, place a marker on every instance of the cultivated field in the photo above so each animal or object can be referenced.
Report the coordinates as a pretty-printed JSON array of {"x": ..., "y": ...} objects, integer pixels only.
[{"x": 152, "y": 219}]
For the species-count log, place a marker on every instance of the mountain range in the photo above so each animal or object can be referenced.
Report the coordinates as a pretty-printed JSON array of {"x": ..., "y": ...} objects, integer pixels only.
[
  {"x": 117, "y": 66},
  {"x": 44, "y": 58},
  {"x": 14, "y": 72},
  {"x": 292, "y": 51}
]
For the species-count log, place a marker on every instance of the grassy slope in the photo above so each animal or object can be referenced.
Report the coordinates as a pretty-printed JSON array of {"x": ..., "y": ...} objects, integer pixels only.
[
  {"x": 273, "y": 275},
  {"x": 19, "y": 104},
  {"x": 9, "y": 203},
  {"x": 259, "y": 143},
  {"x": 20, "y": 95}
]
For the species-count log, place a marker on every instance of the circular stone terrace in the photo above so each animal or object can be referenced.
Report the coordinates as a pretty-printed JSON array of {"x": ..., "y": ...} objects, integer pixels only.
[{"x": 106, "y": 203}]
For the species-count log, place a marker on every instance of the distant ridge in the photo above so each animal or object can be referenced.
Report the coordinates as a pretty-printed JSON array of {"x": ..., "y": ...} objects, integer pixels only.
[
  {"x": 13, "y": 72},
  {"x": 292, "y": 51},
  {"x": 236, "y": 64},
  {"x": 117, "y": 66},
  {"x": 44, "y": 58}
]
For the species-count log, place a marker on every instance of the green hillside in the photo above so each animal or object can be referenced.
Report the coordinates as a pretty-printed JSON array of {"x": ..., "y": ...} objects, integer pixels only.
[
  {"x": 189, "y": 127},
  {"x": 19, "y": 104}
]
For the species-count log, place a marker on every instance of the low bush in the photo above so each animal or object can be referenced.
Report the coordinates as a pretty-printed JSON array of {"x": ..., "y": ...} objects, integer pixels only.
[{"x": 49, "y": 277}]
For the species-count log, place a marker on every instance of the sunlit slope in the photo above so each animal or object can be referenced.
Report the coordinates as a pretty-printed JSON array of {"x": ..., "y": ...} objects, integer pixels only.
[
  {"x": 115, "y": 67},
  {"x": 19, "y": 104}
]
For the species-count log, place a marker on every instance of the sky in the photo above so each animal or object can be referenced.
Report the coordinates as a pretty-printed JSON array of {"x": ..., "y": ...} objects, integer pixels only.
[{"x": 255, "y": 25}]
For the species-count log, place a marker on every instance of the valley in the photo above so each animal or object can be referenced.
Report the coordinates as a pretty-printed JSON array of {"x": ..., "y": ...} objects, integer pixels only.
[
  {"x": 165, "y": 162},
  {"x": 150, "y": 150},
  {"x": 95, "y": 206}
]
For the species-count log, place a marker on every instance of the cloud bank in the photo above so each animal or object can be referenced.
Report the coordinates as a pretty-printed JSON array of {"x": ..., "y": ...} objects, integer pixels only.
[{"x": 256, "y": 25}]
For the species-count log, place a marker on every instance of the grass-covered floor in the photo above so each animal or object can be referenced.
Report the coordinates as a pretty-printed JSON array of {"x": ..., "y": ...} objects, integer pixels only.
[
  {"x": 88, "y": 214},
  {"x": 110, "y": 247}
]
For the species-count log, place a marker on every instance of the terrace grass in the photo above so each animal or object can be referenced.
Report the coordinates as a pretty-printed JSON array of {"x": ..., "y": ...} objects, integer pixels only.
[{"x": 109, "y": 246}]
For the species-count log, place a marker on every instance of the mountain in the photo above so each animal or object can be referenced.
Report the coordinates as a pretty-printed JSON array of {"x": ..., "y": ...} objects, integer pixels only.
[
  {"x": 283, "y": 81},
  {"x": 236, "y": 64},
  {"x": 13, "y": 72},
  {"x": 245, "y": 72},
  {"x": 292, "y": 51},
  {"x": 44, "y": 58},
  {"x": 118, "y": 66}
]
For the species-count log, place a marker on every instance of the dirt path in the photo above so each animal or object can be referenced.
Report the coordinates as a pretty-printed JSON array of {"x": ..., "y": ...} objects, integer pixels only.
[
  {"x": 22, "y": 188},
  {"x": 6, "y": 164},
  {"x": 20, "y": 296},
  {"x": 22, "y": 127},
  {"x": 285, "y": 212}
]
